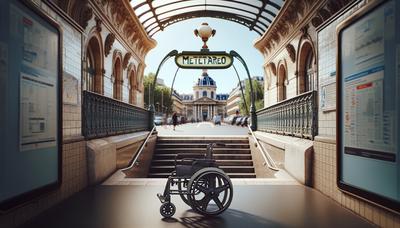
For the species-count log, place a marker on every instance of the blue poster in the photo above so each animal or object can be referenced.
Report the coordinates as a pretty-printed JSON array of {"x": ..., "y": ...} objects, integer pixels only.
[
  {"x": 369, "y": 121},
  {"x": 29, "y": 48}
]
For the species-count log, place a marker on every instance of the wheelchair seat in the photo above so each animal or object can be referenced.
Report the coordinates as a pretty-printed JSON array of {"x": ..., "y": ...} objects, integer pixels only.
[
  {"x": 183, "y": 170},
  {"x": 197, "y": 164}
]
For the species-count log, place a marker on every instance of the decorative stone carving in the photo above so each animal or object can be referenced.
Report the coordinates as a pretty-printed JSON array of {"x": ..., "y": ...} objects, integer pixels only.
[
  {"x": 98, "y": 24},
  {"x": 126, "y": 60},
  {"x": 316, "y": 21},
  {"x": 118, "y": 12},
  {"x": 108, "y": 43},
  {"x": 78, "y": 10},
  {"x": 324, "y": 14},
  {"x": 292, "y": 15},
  {"x": 291, "y": 51},
  {"x": 121, "y": 16},
  {"x": 272, "y": 66},
  {"x": 333, "y": 6},
  {"x": 86, "y": 15},
  {"x": 304, "y": 30}
]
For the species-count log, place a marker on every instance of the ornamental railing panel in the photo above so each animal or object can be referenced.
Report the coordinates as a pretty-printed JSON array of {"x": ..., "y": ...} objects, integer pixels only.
[
  {"x": 103, "y": 116},
  {"x": 296, "y": 116}
]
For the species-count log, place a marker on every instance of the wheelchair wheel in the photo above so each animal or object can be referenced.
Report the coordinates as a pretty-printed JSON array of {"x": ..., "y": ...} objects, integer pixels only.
[
  {"x": 167, "y": 209},
  {"x": 210, "y": 191}
]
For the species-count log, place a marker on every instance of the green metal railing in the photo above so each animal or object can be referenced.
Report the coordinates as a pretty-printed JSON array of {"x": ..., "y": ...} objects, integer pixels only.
[
  {"x": 295, "y": 117},
  {"x": 103, "y": 116}
]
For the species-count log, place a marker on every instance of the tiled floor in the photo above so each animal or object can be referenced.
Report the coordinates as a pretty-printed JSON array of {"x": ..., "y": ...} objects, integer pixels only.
[{"x": 256, "y": 203}]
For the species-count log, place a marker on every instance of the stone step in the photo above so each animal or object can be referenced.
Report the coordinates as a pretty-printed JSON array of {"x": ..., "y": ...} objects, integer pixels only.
[
  {"x": 216, "y": 156},
  {"x": 200, "y": 145},
  {"x": 219, "y": 162},
  {"x": 231, "y": 175},
  {"x": 226, "y": 169},
  {"x": 202, "y": 150}
]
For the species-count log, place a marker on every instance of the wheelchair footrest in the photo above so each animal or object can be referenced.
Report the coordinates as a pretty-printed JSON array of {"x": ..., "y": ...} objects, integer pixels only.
[{"x": 161, "y": 197}]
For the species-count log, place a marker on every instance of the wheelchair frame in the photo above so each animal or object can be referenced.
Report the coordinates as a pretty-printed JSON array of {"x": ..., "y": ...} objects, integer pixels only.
[{"x": 198, "y": 183}]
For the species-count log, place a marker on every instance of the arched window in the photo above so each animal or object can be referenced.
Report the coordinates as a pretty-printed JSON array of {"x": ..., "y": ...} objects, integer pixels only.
[
  {"x": 133, "y": 85},
  {"x": 212, "y": 94},
  {"x": 309, "y": 74},
  {"x": 93, "y": 77},
  {"x": 204, "y": 93},
  {"x": 281, "y": 83},
  {"x": 88, "y": 81},
  {"x": 306, "y": 71},
  {"x": 117, "y": 88}
]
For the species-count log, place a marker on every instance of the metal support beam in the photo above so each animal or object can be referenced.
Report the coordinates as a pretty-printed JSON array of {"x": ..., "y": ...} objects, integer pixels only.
[
  {"x": 252, "y": 98},
  {"x": 241, "y": 89},
  {"x": 153, "y": 86}
]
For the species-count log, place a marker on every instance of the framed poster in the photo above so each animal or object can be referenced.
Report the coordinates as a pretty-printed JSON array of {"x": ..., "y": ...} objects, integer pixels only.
[
  {"x": 30, "y": 157},
  {"x": 368, "y": 104}
]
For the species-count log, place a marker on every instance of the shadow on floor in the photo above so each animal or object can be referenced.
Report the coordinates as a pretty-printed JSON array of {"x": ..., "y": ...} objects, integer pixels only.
[{"x": 230, "y": 218}]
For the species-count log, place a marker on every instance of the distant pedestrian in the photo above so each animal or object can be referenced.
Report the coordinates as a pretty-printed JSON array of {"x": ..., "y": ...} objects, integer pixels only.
[{"x": 174, "y": 119}]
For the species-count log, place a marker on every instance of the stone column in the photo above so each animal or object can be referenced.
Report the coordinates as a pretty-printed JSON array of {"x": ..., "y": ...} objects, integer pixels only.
[
  {"x": 194, "y": 111},
  {"x": 201, "y": 112}
]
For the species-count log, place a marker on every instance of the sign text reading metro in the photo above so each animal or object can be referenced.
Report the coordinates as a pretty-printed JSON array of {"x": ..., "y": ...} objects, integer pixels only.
[{"x": 204, "y": 60}]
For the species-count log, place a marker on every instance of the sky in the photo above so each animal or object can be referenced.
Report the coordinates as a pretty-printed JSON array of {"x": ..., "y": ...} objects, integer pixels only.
[{"x": 229, "y": 36}]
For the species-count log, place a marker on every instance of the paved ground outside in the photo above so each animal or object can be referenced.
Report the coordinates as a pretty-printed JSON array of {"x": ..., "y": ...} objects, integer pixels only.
[{"x": 201, "y": 129}]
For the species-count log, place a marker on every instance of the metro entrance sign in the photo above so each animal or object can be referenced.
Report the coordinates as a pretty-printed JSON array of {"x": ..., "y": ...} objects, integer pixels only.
[{"x": 203, "y": 60}]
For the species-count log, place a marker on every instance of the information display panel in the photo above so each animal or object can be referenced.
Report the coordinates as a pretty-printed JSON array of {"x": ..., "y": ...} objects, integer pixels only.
[
  {"x": 30, "y": 154},
  {"x": 368, "y": 76}
]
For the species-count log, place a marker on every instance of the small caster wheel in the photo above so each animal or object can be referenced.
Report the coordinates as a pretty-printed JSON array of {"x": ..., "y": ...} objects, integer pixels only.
[{"x": 167, "y": 209}]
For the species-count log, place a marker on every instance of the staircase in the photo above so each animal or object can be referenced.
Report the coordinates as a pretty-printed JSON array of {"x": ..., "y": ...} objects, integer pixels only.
[{"x": 235, "y": 158}]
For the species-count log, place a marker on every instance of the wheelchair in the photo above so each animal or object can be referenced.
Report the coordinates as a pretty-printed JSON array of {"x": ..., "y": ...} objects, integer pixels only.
[{"x": 200, "y": 184}]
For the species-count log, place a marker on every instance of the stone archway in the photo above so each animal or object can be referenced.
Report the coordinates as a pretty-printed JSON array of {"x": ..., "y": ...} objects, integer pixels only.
[
  {"x": 306, "y": 63},
  {"x": 93, "y": 77},
  {"x": 117, "y": 75}
]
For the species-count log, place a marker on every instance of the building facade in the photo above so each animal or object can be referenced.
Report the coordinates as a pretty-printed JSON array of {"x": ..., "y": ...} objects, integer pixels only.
[
  {"x": 300, "y": 50},
  {"x": 204, "y": 103},
  {"x": 235, "y": 96},
  {"x": 177, "y": 104}
]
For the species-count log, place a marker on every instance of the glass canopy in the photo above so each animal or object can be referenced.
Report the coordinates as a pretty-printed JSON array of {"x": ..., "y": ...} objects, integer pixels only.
[{"x": 257, "y": 15}]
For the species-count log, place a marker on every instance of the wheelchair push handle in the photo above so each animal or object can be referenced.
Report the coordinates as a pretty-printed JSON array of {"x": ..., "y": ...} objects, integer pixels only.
[{"x": 210, "y": 147}]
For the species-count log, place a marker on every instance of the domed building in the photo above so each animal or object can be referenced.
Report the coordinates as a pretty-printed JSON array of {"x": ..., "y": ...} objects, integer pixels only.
[{"x": 204, "y": 103}]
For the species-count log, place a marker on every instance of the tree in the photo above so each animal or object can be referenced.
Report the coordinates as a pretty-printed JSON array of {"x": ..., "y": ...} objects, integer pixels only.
[
  {"x": 258, "y": 95},
  {"x": 162, "y": 97}
]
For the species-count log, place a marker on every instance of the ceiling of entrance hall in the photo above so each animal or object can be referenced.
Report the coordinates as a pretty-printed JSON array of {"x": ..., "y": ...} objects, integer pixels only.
[{"x": 257, "y": 15}]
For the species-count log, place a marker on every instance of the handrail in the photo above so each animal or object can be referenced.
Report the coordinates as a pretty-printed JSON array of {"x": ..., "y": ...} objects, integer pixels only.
[
  {"x": 137, "y": 155},
  {"x": 267, "y": 158}
]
